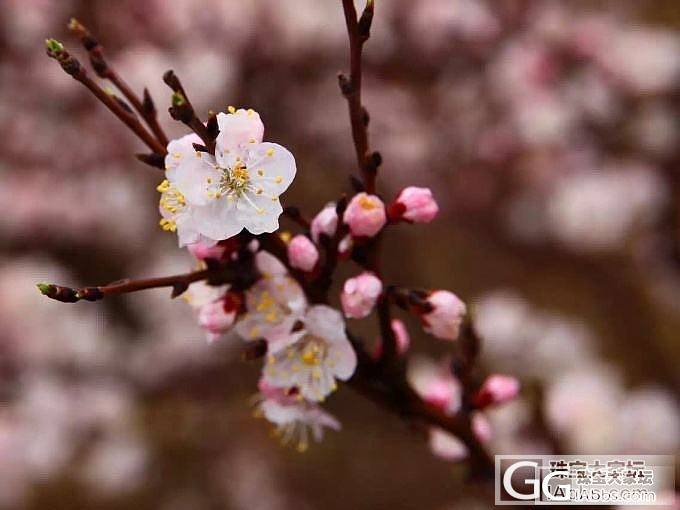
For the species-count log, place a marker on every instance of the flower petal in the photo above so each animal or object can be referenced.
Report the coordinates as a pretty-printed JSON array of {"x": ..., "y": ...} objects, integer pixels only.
[
  {"x": 344, "y": 358},
  {"x": 272, "y": 167},
  {"x": 258, "y": 214},
  {"x": 192, "y": 175},
  {"x": 327, "y": 323},
  {"x": 217, "y": 220},
  {"x": 238, "y": 129},
  {"x": 179, "y": 150}
]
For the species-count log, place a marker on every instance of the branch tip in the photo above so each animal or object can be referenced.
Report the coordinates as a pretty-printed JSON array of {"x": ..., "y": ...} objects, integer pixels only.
[
  {"x": 53, "y": 46},
  {"x": 178, "y": 99}
]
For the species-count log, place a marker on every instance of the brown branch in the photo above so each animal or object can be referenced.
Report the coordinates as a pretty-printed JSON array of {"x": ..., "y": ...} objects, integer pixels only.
[
  {"x": 331, "y": 246},
  {"x": 182, "y": 110},
  {"x": 389, "y": 342},
  {"x": 145, "y": 107},
  {"x": 295, "y": 215},
  {"x": 179, "y": 284},
  {"x": 384, "y": 382},
  {"x": 72, "y": 66},
  {"x": 359, "y": 31},
  {"x": 387, "y": 387}
]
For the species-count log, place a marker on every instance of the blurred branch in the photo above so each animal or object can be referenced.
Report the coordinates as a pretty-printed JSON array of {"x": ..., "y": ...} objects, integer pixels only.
[
  {"x": 145, "y": 107},
  {"x": 387, "y": 386},
  {"x": 72, "y": 67},
  {"x": 179, "y": 284}
]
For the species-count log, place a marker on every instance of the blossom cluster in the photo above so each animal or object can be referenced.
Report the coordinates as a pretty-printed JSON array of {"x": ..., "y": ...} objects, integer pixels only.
[
  {"x": 209, "y": 200},
  {"x": 536, "y": 140}
]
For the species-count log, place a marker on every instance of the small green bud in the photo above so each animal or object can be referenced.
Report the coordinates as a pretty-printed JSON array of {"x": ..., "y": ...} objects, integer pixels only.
[
  {"x": 178, "y": 99},
  {"x": 44, "y": 288},
  {"x": 54, "y": 46}
]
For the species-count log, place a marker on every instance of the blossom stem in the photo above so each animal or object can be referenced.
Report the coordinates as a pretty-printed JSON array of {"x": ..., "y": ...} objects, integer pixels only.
[
  {"x": 145, "y": 107},
  {"x": 389, "y": 342},
  {"x": 72, "y": 66},
  {"x": 358, "y": 31},
  {"x": 465, "y": 361},
  {"x": 331, "y": 246}
]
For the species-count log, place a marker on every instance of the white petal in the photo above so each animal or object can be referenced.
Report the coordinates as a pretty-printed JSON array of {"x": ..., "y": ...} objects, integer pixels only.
[
  {"x": 217, "y": 219},
  {"x": 178, "y": 151},
  {"x": 344, "y": 359},
  {"x": 275, "y": 163},
  {"x": 327, "y": 323},
  {"x": 269, "y": 265},
  {"x": 191, "y": 177},
  {"x": 187, "y": 232},
  {"x": 280, "y": 414},
  {"x": 238, "y": 129},
  {"x": 258, "y": 214}
]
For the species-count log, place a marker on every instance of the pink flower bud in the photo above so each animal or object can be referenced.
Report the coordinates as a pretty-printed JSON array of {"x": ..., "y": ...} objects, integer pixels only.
[
  {"x": 365, "y": 215},
  {"x": 497, "y": 389},
  {"x": 481, "y": 427},
  {"x": 359, "y": 295},
  {"x": 446, "y": 316},
  {"x": 449, "y": 447},
  {"x": 345, "y": 246},
  {"x": 326, "y": 222},
  {"x": 435, "y": 384},
  {"x": 415, "y": 205},
  {"x": 401, "y": 336},
  {"x": 204, "y": 251},
  {"x": 216, "y": 319},
  {"x": 446, "y": 446},
  {"x": 442, "y": 392},
  {"x": 302, "y": 253}
]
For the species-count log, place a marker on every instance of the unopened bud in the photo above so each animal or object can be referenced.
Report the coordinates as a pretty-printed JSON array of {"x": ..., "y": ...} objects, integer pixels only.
[
  {"x": 54, "y": 46},
  {"x": 178, "y": 99}
]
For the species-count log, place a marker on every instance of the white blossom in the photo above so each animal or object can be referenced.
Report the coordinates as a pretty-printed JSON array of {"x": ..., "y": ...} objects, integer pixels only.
[
  {"x": 215, "y": 197},
  {"x": 294, "y": 417},
  {"x": 320, "y": 355},
  {"x": 274, "y": 305}
]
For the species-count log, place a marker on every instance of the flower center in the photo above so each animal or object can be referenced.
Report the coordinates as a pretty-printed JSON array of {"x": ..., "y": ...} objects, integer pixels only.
[
  {"x": 367, "y": 203},
  {"x": 235, "y": 179},
  {"x": 171, "y": 199},
  {"x": 313, "y": 353},
  {"x": 271, "y": 310}
]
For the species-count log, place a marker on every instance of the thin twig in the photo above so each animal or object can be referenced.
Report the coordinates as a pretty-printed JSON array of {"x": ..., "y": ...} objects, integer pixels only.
[
  {"x": 72, "y": 66},
  {"x": 183, "y": 111},
  {"x": 397, "y": 394},
  {"x": 179, "y": 283},
  {"x": 145, "y": 107},
  {"x": 358, "y": 31}
]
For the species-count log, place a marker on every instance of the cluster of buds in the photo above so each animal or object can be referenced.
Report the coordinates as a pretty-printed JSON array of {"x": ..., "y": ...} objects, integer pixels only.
[{"x": 270, "y": 291}]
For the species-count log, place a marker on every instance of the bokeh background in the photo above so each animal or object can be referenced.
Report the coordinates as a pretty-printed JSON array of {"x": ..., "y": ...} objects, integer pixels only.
[{"x": 549, "y": 132}]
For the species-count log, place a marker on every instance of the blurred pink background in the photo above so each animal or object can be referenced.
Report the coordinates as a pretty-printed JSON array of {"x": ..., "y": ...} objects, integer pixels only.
[{"x": 549, "y": 133}]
